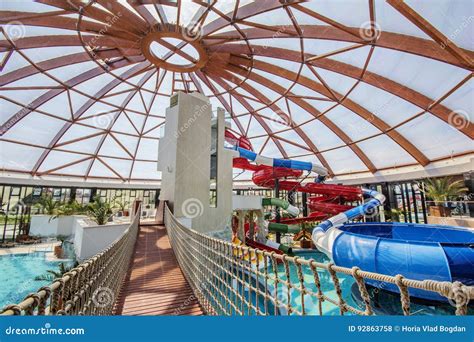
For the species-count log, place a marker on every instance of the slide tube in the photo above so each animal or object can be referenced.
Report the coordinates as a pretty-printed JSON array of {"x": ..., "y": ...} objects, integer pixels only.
[
  {"x": 326, "y": 232},
  {"x": 283, "y": 228},
  {"x": 279, "y": 246},
  {"x": 277, "y": 162},
  {"x": 285, "y": 205}
]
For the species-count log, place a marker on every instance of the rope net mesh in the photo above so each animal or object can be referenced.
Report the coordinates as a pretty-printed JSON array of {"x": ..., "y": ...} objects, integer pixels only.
[
  {"x": 91, "y": 288},
  {"x": 226, "y": 283}
]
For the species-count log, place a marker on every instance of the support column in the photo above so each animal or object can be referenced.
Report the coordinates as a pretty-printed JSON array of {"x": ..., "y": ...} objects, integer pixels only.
[
  {"x": 304, "y": 198},
  {"x": 415, "y": 204},
  {"x": 405, "y": 187},
  {"x": 93, "y": 194},
  {"x": 72, "y": 195},
  {"x": 251, "y": 225},
  {"x": 261, "y": 234},
  {"x": 403, "y": 203},
  {"x": 241, "y": 227},
  {"x": 423, "y": 204}
]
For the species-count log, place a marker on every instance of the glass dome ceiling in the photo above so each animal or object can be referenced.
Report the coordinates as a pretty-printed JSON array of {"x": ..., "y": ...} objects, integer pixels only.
[{"x": 361, "y": 87}]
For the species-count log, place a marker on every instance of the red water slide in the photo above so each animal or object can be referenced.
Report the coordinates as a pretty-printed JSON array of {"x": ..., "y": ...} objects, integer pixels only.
[{"x": 328, "y": 199}]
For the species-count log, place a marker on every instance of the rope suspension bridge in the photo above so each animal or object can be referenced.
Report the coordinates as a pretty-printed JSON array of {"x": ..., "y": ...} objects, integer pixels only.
[{"x": 225, "y": 278}]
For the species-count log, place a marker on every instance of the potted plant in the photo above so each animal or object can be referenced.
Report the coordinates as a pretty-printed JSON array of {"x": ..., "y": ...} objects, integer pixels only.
[
  {"x": 49, "y": 205},
  {"x": 100, "y": 211},
  {"x": 58, "y": 250},
  {"x": 59, "y": 218},
  {"x": 441, "y": 190},
  {"x": 122, "y": 206},
  {"x": 70, "y": 208}
]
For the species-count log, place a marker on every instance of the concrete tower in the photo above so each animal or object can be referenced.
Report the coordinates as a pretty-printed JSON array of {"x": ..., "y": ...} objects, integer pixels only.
[{"x": 193, "y": 160}]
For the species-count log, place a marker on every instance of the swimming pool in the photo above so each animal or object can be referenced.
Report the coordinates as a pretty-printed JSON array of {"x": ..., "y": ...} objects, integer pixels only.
[
  {"x": 327, "y": 287},
  {"x": 382, "y": 302},
  {"x": 18, "y": 272}
]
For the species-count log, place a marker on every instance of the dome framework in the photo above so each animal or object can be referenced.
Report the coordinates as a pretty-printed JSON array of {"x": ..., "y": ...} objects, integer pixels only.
[{"x": 359, "y": 87}]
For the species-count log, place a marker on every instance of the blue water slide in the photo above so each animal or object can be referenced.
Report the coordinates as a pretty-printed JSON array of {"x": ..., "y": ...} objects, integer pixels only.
[
  {"x": 367, "y": 207},
  {"x": 416, "y": 251},
  {"x": 278, "y": 162}
]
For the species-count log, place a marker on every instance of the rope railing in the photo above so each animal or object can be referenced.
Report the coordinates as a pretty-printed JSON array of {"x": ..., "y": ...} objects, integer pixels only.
[
  {"x": 91, "y": 288},
  {"x": 230, "y": 279}
]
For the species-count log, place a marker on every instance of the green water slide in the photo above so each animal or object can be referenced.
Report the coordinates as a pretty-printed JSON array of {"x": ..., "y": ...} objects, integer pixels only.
[
  {"x": 285, "y": 205},
  {"x": 283, "y": 228}
]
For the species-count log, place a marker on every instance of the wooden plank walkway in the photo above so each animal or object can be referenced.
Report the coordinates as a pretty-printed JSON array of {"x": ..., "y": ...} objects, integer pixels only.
[{"x": 155, "y": 284}]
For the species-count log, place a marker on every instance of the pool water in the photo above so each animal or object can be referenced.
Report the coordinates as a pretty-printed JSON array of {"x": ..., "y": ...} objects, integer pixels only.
[
  {"x": 18, "y": 272},
  {"x": 327, "y": 286},
  {"x": 310, "y": 302},
  {"x": 383, "y": 302}
]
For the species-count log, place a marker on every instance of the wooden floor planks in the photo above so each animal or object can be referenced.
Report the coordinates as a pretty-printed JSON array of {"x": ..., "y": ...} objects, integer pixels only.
[{"x": 155, "y": 284}]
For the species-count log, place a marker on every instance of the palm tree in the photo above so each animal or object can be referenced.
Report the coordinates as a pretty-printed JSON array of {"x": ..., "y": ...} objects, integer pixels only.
[
  {"x": 100, "y": 211},
  {"x": 49, "y": 205},
  {"x": 70, "y": 208},
  {"x": 440, "y": 190},
  {"x": 444, "y": 189},
  {"x": 122, "y": 205},
  {"x": 51, "y": 275}
]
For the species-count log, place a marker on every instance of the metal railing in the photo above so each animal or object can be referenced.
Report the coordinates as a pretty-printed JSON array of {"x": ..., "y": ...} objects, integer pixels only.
[
  {"x": 91, "y": 288},
  {"x": 230, "y": 279}
]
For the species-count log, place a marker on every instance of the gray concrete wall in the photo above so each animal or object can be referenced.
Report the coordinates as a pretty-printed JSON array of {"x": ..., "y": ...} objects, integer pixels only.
[
  {"x": 219, "y": 217},
  {"x": 184, "y": 159},
  {"x": 90, "y": 240}
]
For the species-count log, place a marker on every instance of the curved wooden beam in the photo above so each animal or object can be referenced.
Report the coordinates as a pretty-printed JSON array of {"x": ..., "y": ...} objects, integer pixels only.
[
  {"x": 70, "y": 24},
  {"x": 431, "y": 31},
  {"x": 219, "y": 97},
  {"x": 129, "y": 97},
  {"x": 70, "y": 40},
  {"x": 389, "y": 40},
  {"x": 306, "y": 106},
  {"x": 58, "y": 62},
  {"x": 373, "y": 79},
  {"x": 346, "y": 102},
  {"x": 129, "y": 73},
  {"x": 226, "y": 75},
  {"x": 246, "y": 11},
  {"x": 244, "y": 103}
]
